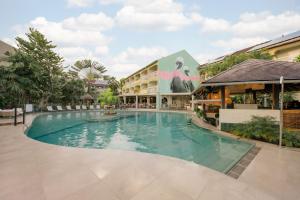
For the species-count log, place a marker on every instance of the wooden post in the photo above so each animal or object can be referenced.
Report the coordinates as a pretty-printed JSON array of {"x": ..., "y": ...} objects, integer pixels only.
[
  {"x": 223, "y": 97},
  {"x": 275, "y": 96},
  {"x": 24, "y": 112},
  {"x": 15, "y": 117},
  {"x": 254, "y": 96},
  {"x": 281, "y": 111}
]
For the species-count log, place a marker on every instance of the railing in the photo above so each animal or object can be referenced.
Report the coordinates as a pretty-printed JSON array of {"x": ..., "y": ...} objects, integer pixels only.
[
  {"x": 152, "y": 75},
  {"x": 152, "y": 90},
  {"x": 291, "y": 119}
]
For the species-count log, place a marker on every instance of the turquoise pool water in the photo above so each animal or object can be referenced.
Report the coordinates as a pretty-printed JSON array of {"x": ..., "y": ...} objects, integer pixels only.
[{"x": 153, "y": 132}]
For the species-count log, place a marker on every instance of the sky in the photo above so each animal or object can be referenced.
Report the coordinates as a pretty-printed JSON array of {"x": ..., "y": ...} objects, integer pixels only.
[{"x": 125, "y": 35}]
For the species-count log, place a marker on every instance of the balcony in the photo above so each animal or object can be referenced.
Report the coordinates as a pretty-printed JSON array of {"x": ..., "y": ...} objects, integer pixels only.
[
  {"x": 152, "y": 76},
  {"x": 144, "y": 91},
  {"x": 152, "y": 90}
]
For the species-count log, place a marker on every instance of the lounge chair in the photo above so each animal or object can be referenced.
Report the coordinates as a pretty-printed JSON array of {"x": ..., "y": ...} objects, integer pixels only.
[
  {"x": 10, "y": 112},
  {"x": 50, "y": 109},
  {"x": 92, "y": 107},
  {"x": 98, "y": 107},
  {"x": 69, "y": 108},
  {"x": 59, "y": 108},
  {"x": 84, "y": 107},
  {"x": 77, "y": 107},
  {"x": 19, "y": 111},
  {"x": 7, "y": 113}
]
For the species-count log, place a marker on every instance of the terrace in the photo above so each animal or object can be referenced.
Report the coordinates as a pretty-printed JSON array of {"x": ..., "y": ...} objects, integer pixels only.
[{"x": 252, "y": 88}]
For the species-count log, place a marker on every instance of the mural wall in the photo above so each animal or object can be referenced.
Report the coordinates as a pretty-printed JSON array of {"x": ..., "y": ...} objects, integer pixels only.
[{"x": 178, "y": 73}]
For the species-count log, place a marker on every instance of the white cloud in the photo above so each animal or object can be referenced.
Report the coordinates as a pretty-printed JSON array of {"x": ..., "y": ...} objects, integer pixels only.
[
  {"x": 108, "y": 2},
  {"x": 266, "y": 24},
  {"x": 210, "y": 24},
  {"x": 262, "y": 24},
  {"x": 79, "y": 3},
  {"x": 56, "y": 32},
  {"x": 74, "y": 52},
  {"x": 206, "y": 57},
  {"x": 141, "y": 55},
  {"x": 250, "y": 29},
  {"x": 76, "y": 37},
  {"x": 9, "y": 41},
  {"x": 132, "y": 59},
  {"x": 101, "y": 50},
  {"x": 237, "y": 43},
  {"x": 165, "y": 15},
  {"x": 89, "y": 22}
]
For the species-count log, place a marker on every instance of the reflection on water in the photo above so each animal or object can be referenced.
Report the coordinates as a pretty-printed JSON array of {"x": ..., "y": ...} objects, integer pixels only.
[{"x": 160, "y": 133}]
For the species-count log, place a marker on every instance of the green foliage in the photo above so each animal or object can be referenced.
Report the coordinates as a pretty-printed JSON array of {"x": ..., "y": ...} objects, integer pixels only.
[
  {"x": 90, "y": 70},
  {"x": 237, "y": 99},
  {"x": 34, "y": 74},
  {"x": 72, "y": 90},
  {"x": 216, "y": 68},
  {"x": 264, "y": 129},
  {"x": 113, "y": 84},
  {"x": 288, "y": 97},
  {"x": 107, "y": 98},
  {"x": 297, "y": 59}
]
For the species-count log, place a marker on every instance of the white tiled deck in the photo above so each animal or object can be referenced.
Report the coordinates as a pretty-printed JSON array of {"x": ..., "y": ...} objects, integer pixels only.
[{"x": 33, "y": 170}]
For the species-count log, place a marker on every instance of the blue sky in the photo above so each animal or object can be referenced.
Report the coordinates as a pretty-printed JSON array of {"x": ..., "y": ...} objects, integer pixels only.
[{"x": 125, "y": 35}]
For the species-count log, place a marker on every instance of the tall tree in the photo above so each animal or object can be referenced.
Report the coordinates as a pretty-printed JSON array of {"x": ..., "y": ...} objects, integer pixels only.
[
  {"x": 113, "y": 84},
  {"x": 89, "y": 70},
  {"x": 35, "y": 68}
]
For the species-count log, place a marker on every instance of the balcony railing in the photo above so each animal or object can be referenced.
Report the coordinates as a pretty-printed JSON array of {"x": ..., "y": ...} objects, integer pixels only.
[
  {"x": 152, "y": 89},
  {"x": 152, "y": 75}
]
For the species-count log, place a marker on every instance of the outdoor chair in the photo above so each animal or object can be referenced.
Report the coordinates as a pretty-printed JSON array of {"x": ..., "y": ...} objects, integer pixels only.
[
  {"x": 92, "y": 107},
  {"x": 50, "y": 109},
  {"x": 19, "y": 111},
  {"x": 59, "y": 108},
  {"x": 98, "y": 107},
  {"x": 77, "y": 107},
  {"x": 69, "y": 108},
  {"x": 84, "y": 107}
]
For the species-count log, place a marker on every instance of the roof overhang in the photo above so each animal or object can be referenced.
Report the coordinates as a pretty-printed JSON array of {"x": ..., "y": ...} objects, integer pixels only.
[{"x": 202, "y": 85}]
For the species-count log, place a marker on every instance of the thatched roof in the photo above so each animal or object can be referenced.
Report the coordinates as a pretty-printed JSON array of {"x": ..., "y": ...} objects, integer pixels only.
[{"x": 257, "y": 71}]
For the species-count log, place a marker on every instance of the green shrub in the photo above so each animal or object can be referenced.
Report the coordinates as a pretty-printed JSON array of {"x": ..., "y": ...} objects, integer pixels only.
[{"x": 264, "y": 129}]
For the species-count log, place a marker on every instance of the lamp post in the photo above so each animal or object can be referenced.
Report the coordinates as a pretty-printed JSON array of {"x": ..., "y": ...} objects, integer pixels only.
[{"x": 281, "y": 111}]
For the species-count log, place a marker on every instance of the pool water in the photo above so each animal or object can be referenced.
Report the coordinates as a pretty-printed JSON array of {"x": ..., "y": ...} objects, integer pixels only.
[{"x": 152, "y": 132}]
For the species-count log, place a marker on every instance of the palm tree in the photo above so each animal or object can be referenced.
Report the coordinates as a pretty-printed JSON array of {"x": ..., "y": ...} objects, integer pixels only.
[{"x": 88, "y": 70}]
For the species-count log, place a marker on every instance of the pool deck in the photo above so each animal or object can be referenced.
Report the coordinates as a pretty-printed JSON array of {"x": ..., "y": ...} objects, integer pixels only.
[{"x": 33, "y": 170}]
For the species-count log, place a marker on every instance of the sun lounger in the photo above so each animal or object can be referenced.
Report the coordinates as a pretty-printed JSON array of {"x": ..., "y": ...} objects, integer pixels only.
[
  {"x": 7, "y": 113},
  {"x": 50, "y": 109},
  {"x": 69, "y": 108},
  {"x": 92, "y": 107},
  {"x": 10, "y": 112},
  {"x": 59, "y": 108},
  {"x": 84, "y": 107},
  {"x": 77, "y": 107},
  {"x": 19, "y": 111}
]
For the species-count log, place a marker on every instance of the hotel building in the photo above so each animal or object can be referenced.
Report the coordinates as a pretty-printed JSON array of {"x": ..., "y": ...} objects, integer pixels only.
[{"x": 166, "y": 83}]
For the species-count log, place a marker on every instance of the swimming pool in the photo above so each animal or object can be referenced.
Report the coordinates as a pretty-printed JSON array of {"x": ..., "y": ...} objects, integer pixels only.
[{"x": 152, "y": 132}]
